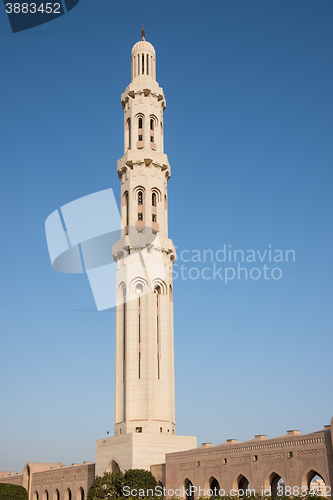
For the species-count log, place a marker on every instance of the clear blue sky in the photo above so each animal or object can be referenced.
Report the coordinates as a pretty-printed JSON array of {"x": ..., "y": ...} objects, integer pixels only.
[{"x": 248, "y": 133}]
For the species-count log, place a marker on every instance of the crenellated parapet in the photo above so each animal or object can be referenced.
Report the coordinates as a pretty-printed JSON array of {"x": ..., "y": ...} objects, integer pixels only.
[{"x": 144, "y": 160}]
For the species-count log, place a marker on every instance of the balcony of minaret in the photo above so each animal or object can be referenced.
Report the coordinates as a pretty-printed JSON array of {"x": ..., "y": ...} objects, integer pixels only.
[{"x": 149, "y": 159}]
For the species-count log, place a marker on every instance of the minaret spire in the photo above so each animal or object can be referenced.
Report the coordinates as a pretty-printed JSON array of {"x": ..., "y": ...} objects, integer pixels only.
[
  {"x": 143, "y": 34},
  {"x": 145, "y": 428}
]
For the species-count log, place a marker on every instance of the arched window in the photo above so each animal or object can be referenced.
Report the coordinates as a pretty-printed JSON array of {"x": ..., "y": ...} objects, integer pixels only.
[
  {"x": 129, "y": 133},
  {"x": 28, "y": 476},
  {"x": 56, "y": 495},
  {"x": 214, "y": 487},
  {"x": 189, "y": 490},
  {"x": 316, "y": 484},
  {"x": 157, "y": 291},
  {"x": 80, "y": 494},
  {"x": 36, "y": 496},
  {"x": 126, "y": 202},
  {"x": 140, "y": 198},
  {"x": 124, "y": 339},
  {"x": 153, "y": 199},
  {"x": 243, "y": 485},
  {"x": 152, "y": 127},
  {"x": 68, "y": 495},
  {"x": 139, "y": 291},
  {"x": 46, "y": 495},
  {"x": 276, "y": 484},
  {"x": 140, "y": 132},
  {"x": 140, "y": 205}
]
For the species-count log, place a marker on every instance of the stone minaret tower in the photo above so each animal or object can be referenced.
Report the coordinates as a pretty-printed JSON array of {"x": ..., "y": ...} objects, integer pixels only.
[
  {"x": 145, "y": 396},
  {"x": 145, "y": 386}
]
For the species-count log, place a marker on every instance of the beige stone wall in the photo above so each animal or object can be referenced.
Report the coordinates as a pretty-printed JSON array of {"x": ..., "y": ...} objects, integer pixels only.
[
  {"x": 138, "y": 451},
  {"x": 77, "y": 479},
  {"x": 294, "y": 457},
  {"x": 11, "y": 478},
  {"x": 39, "y": 478}
]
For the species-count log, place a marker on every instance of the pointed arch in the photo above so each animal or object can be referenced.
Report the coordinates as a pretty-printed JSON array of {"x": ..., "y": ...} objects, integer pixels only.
[
  {"x": 186, "y": 486},
  {"x": 140, "y": 124},
  {"x": 125, "y": 204},
  {"x": 155, "y": 191},
  {"x": 136, "y": 191},
  {"x": 212, "y": 486},
  {"x": 128, "y": 133},
  {"x": 80, "y": 494},
  {"x": 68, "y": 494},
  {"x": 56, "y": 494},
  {"x": 121, "y": 292},
  {"x": 241, "y": 483},
  {"x": 153, "y": 121},
  {"x": 113, "y": 465},
  {"x": 309, "y": 474},
  {"x": 160, "y": 287},
  {"x": 138, "y": 286}
]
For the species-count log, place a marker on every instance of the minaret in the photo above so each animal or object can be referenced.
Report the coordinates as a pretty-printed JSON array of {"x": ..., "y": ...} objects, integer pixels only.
[
  {"x": 145, "y": 395},
  {"x": 144, "y": 382}
]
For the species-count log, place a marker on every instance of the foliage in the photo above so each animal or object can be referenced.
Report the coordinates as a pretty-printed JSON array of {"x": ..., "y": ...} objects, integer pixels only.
[
  {"x": 139, "y": 479},
  {"x": 12, "y": 492},
  {"x": 109, "y": 486}
]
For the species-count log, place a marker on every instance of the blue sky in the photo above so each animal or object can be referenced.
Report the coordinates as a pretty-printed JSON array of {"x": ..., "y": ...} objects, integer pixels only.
[{"x": 248, "y": 133}]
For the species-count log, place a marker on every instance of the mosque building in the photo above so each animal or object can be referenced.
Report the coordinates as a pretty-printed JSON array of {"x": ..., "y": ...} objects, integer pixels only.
[{"x": 145, "y": 427}]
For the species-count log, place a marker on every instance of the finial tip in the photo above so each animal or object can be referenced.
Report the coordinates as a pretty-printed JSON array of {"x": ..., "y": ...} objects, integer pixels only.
[{"x": 143, "y": 34}]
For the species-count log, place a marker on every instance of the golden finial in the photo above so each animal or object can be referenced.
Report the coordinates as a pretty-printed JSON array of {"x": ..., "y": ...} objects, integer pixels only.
[{"x": 143, "y": 34}]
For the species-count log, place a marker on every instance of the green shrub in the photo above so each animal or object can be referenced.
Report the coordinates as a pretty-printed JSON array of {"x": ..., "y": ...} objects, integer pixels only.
[
  {"x": 12, "y": 492},
  {"x": 110, "y": 485}
]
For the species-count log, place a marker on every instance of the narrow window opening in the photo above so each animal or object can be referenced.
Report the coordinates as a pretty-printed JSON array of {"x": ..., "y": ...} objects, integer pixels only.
[
  {"x": 138, "y": 429},
  {"x": 158, "y": 291},
  {"x": 140, "y": 125},
  {"x": 140, "y": 198},
  {"x": 139, "y": 290},
  {"x": 147, "y": 63},
  {"x": 140, "y": 217},
  {"x": 154, "y": 218},
  {"x": 129, "y": 131},
  {"x": 153, "y": 199},
  {"x": 151, "y": 130},
  {"x": 138, "y": 65},
  {"x": 143, "y": 64},
  {"x": 127, "y": 209},
  {"x": 161, "y": 430},
  {"x": 124, "y": 351}
]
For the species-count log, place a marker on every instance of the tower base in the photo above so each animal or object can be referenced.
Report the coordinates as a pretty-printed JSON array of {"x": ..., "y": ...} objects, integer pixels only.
[{"x": 137, "y": 450}]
